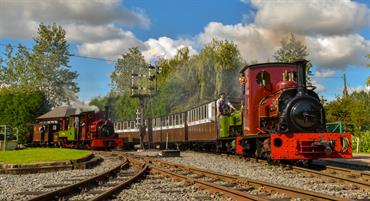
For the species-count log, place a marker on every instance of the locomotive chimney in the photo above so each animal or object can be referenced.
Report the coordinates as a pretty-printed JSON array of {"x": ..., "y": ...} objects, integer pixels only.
[{"x": 301, "y": 76}]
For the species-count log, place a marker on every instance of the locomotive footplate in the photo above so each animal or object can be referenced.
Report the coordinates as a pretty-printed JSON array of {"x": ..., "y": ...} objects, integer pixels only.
[{"x": 310, "y": 145}]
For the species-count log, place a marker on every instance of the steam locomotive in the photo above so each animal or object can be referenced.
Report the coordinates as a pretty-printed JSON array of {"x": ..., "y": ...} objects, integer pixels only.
[
  {"x": 281, "y": 118},
  {"x": 68, "y": 127}
]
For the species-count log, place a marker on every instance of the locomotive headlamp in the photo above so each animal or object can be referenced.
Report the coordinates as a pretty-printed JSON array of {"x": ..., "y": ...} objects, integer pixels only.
[{"x": 328, "y": 150}]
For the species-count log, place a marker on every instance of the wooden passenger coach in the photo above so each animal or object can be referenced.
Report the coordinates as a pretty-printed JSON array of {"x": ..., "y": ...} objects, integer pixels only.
[{"x": 196, "y": 126}]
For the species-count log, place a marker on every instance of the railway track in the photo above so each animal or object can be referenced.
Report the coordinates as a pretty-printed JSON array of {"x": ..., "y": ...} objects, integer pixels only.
[
  {"x": 99, "y": 187},
  {"x": 358, "y": 178},
  {"x": 111, "y": 183},
  {"x": 230, "y": 186},
  {"x": 347, "y": 176}
]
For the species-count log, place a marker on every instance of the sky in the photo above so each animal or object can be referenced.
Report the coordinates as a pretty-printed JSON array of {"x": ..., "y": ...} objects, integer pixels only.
[{"x": 336, "y": 33}]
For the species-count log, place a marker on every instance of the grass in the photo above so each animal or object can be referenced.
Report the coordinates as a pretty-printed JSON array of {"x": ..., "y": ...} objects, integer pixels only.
[{"x": 35, "y": 155}]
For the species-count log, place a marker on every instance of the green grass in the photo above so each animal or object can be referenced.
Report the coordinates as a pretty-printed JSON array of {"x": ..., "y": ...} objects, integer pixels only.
[{"x": 34, "y": 155}]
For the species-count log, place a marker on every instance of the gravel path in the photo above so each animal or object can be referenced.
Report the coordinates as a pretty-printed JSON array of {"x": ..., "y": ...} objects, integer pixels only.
[
  {"x": 12, "y": 186},
  {"x": 156, "y": 187},
  {"x": 273, "y": 174}
]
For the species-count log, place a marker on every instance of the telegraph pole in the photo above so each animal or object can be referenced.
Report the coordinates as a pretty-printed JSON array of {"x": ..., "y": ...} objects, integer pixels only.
[
  {"x": 345, "y": 92},
  {"x": 142, "y": 92}
]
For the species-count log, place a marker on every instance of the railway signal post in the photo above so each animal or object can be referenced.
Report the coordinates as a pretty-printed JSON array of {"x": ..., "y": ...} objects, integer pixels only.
[{"x": 147, "y": 90}]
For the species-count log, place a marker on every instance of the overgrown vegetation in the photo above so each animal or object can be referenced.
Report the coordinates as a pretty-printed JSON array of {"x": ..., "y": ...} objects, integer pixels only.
[{"x": 354, "y": 112}]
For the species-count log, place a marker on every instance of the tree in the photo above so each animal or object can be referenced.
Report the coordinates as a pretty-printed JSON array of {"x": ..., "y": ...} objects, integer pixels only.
[
  {"x": 354, "y": 112},
  {"x": 291, "y": 50},
  {"x": 14, "y": 69},
  {"x": 19, "y": 109},
  {"x": 132, "y": 61},
  {"x": 217, "y": 67},
  {"x": 49, "y": 65},
  {"x": 368, "y": 79}
]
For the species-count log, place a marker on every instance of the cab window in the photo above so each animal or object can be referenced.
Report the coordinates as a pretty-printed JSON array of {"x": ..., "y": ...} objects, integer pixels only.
[{"x": 263, "y": 78}]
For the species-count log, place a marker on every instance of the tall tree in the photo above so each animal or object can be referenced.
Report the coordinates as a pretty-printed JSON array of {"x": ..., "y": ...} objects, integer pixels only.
[
  {"x": 14, "y": 68},
  {"x": 368, "y": 79},
  {"x": 132, "y": 61},
  {"x": 291, "y": 50},
  {"x": 49, "y": 64}
]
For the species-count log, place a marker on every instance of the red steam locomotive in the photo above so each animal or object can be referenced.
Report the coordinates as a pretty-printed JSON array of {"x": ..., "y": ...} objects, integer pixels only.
[
  {"x": 281, "y": 119},
  {"x": 68, "y": 127}
]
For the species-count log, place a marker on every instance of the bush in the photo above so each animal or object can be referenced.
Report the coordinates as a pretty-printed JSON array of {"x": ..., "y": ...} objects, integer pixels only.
[{"x": 364, "y": 142}]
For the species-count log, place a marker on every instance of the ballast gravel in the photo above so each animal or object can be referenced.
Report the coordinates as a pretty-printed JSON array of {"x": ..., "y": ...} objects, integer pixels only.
[
  {"x": 155, "y": 187},
  {"x": 272, "y": 174},
  {"x": 17, "y": 187}
]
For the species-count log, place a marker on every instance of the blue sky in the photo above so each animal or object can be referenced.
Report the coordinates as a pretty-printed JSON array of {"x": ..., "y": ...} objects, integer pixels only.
[{"x": 338, "y": 39}]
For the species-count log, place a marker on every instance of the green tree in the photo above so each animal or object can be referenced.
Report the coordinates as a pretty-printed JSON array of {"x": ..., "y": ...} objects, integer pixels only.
[
  {"x": 292, "y": 50},
  {"x": 130, "y": 62},
  {"x": 184, "y": 82},
  {"x": 49, "y": 65},
  {"x": 354, "y": 112},
  {"x": 368, "y": 79},
  {"x": 14, "y": 69},
  {"x": 217, "y": 67},
  {"x": 19, "y": 109}
]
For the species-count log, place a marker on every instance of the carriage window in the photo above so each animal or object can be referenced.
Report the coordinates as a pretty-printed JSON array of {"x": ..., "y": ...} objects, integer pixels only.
[
  {"x": 263, "y": 78},
  {"x": 206, "y": 112},
  {"x": 202, "y": 112}
]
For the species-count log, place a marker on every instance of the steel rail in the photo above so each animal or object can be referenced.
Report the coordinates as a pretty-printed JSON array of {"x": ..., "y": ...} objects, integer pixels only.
[
  {"x": 345, "y": 175},
  {"x": 231, "y": 193},
  {"x": 290, "y": 191},
  {"x": 344, "y": 179},
  {"x": 116, "y": 189},
  {"x": 348, "y": 172},
  {"x": 57, "y": 194}
]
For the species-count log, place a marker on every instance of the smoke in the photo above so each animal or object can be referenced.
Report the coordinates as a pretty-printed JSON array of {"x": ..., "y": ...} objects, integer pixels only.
[{"x": 84, "y": 106}]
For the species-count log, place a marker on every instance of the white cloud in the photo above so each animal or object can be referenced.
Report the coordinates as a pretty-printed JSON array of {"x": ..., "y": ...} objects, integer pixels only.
[
  {"x": 315, "y": 16},
  {"x": 319, "y": 87},
  {"x": 109, "y": 49},
  {"x": 359, "y": 88},
  {"x": 326, "y": 27},
  {"x": 152, "y": 48},
  {"x": 165, "y": 47},
  {"x": 338, "y": 51},
  {"x": 255, "y": 43},
  {"x": 325, "y": 73},
  {"x": 21, "y": 18},
  {"x": 87, "y": 33}
]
